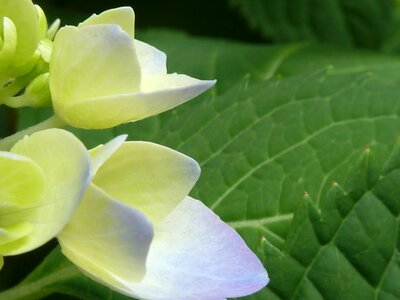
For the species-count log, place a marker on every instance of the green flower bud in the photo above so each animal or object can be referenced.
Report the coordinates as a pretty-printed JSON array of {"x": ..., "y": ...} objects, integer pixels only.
[{"x": 36, "y": 94}]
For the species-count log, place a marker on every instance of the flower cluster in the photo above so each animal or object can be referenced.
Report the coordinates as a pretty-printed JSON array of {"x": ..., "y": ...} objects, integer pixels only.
[{"x": 121, "y": 211}]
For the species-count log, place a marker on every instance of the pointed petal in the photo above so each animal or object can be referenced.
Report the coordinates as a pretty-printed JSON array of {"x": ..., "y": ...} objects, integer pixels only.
[
  {"x": 101, "y": 62},
  {"x": 101, "y": 153},
  {"x": 122, "y": 16},
  {"x": 195, "y": 256},
  {"x": 53, "y": 28},
  {"x": 66, "y": 167},
  {"x": 148, "y": 177},
  {"x": 107, "y": 239},
  {"x": 160, "y": 93},
  {"x": 182, "y": 86},
  {"x": 152, "y": 61}
]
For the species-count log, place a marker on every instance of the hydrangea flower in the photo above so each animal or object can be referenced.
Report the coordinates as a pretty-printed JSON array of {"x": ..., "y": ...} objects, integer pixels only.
[
  {"x": 47, "y": 173},
  {"x": 139, "y": 233},
  {"x": 112, "y": 78},
  {"x": 122, "y": 214}
]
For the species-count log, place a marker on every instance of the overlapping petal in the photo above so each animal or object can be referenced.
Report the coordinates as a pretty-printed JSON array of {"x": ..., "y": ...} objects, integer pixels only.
[
  {"x": 20, "y": 190},
  {"x": 101, "y": 153},
  {"x": 196, "y": 256},
  {"x": 8, "y": 43},
  {"x": 122, "y": 16},
  {"x": 107, "y": 239},
  {"x": 111, "y": 78},
  {"x": 193, "y": 255},
  {"x": 45, "y": 191},
  {"x": 102, "y": 63},
  {"x": 148, "y": 177},
  {"x": 24, "y": 15},
  {"x": 153, "y": 62}
]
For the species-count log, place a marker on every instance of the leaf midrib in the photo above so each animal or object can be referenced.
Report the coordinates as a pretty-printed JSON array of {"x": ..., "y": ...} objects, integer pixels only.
[{"x": 292, "y": 147}]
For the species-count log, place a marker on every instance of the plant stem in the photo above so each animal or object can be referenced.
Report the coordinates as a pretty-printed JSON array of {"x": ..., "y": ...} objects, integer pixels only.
[
  {"x": 39, "y": 288},
  {"x": 52, "y": 122}
]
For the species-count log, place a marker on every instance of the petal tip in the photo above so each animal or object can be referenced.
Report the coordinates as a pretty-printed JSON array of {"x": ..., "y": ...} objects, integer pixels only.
[
  {"x": 206, "y": 84},
  {"x": 121, "y": 138},
  {"x": 195, "y": 167}
]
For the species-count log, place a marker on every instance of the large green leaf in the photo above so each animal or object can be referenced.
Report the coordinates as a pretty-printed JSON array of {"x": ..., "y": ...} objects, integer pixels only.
[
  {"x": 282, "y": 121},
  {"x": 345, "y": 22},
  {"x": 348, "y": 249}
]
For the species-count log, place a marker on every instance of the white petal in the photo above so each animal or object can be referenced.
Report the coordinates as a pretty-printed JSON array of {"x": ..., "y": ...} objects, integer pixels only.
[
  {"x": 152, "y": 61},
  {"x": 180, "y": 84},
  {"x": 195, "y": 256},
  {"x": 107, "y": 239}
]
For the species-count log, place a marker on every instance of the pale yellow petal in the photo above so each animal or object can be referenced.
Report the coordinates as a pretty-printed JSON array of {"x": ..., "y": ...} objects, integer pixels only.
[
  {"x": 101, "y": 62},
  {"x": 22, "y": 181},
  {"x": 24, "y": 15},
  {"x": 101, "y": 153},
  {"x": 66, "y": 167},
  {"x": 148, "y": 177},
  {"x": 42, "y": 21},
  {"x": 122, "y": 16},
  {"x": 9, "y": 44},
  {"x": 107, "y": 239},
  {"x": 21, "y": 192},
  {"x": 160, "y": 93},
  {"x": 15, "y": 233}
]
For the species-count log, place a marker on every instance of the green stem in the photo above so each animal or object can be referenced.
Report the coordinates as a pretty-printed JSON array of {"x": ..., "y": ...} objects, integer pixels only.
[
  {"x": 53, "y": 122},
  {"x": 38, "y": 289}
]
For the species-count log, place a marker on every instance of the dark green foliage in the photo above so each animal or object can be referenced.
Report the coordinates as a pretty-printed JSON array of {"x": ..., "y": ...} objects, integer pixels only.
[{"x": 344, "y": 22}]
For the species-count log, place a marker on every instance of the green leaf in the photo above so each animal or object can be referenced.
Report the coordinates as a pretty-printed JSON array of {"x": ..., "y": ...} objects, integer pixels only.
[
  {"x": 283, "y": 121},
  {"x": 343, "y": 22},
  {"x": 348, "y": 249}
]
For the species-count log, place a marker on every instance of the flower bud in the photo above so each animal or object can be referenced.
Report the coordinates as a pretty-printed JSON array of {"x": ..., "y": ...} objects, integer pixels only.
[{"x": 36, "y": 94}]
